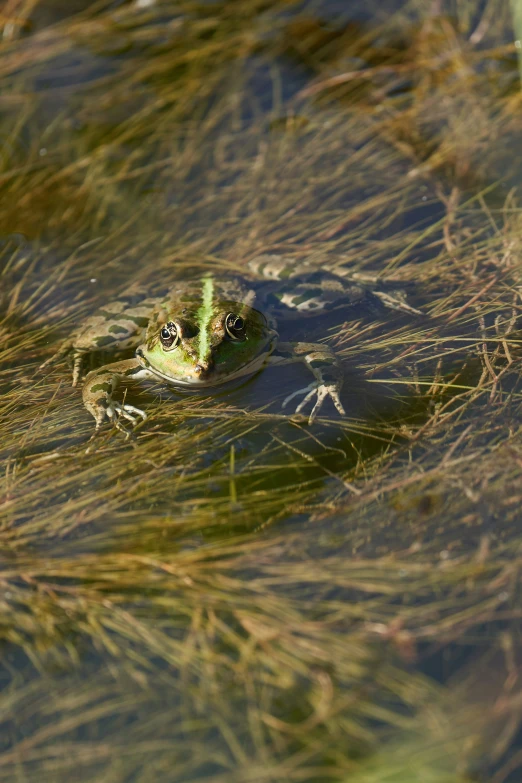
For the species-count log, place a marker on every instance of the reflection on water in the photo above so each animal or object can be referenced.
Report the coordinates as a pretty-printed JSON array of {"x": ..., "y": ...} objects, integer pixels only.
[{"x": 234, "y": 595}]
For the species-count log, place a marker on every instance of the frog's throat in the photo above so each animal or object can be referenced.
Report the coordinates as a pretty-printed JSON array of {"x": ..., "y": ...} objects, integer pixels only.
[{"x": 204, "y": 318}]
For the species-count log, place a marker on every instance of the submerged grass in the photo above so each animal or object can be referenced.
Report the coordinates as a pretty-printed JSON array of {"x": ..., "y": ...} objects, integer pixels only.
[{"x": 233, "y": 595}]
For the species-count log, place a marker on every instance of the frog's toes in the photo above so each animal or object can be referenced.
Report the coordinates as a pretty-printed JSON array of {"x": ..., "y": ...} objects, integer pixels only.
[
  {"x": 68, "y": 350},
  {"x": 77, "y": 368},
  {"x": 62, "y": 351},
  {"x": 322, "y": 391},
  {"x": 396, "y": 302},
  {"x": 308, "y": 390},
  {"x": 116, "y": 410}
]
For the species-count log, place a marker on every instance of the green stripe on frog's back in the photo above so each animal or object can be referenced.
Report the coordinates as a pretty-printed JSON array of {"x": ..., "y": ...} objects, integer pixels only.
[{"x": 204, "y": 317}]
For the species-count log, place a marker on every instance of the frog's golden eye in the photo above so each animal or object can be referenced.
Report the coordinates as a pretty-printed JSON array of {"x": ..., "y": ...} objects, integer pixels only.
[
  {"x": 235, "y": 326},
  {"x": 169, "y": 336}
]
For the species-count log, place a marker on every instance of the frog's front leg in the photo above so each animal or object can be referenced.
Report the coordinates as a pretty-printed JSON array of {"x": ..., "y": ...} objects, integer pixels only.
[
  {"x": 99, "y": 387},
  {"x": 325, "y": 366},
  {"x": 118, "y": 326}
]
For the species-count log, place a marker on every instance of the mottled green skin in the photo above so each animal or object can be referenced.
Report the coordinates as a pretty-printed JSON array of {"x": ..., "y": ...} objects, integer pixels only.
[{"x": 205, "y": 351}]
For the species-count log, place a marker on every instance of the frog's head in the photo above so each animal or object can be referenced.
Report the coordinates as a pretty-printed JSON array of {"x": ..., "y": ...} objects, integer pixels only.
[{"x": 206, "y": 345}]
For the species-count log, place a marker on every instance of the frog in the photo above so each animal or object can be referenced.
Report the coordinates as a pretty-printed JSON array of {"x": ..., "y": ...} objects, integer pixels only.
[{"x": 201, "y": 333}]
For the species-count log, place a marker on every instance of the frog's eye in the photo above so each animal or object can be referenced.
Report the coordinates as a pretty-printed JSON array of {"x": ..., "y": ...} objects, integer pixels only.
[
  {"x": 169, "y": 336},
  {"x": 235, "y": 326}
]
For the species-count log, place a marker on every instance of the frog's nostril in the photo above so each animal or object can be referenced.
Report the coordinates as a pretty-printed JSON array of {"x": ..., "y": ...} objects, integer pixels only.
[{"x": 201, "y": 369}]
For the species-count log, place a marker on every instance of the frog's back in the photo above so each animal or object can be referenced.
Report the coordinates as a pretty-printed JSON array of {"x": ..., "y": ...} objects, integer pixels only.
[
  {"x": 208, "y": 289},
  {"x": 308, "y": 288}
]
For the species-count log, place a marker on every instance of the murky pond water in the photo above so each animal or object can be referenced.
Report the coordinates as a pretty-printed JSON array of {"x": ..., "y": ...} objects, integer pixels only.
[{"x": 234, "y": 594}]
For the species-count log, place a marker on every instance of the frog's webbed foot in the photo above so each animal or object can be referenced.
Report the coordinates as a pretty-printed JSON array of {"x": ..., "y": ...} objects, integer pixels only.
[
  {"x": 325, "y": 366},
  {"x": 64, "y": 349},
  {"x": 322, "y": 390},
  {"x": 77, "y": 367},
  {"x": 116, "y": 411},
  {"x": 98, "y": 391},
  {"x": 67, "y": 349},
  {"x": 396, "y": 301}
]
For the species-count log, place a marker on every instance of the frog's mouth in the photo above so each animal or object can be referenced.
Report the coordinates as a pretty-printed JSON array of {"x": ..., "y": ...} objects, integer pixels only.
[{"x": 211, "y": 378}]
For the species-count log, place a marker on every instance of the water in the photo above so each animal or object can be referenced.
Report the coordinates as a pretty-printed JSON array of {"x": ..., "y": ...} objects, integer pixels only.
[{"x": 234, "y": 595}]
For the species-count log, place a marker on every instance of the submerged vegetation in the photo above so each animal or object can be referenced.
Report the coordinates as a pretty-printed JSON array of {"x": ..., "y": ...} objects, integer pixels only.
[{"x": 233, "y": 595}]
